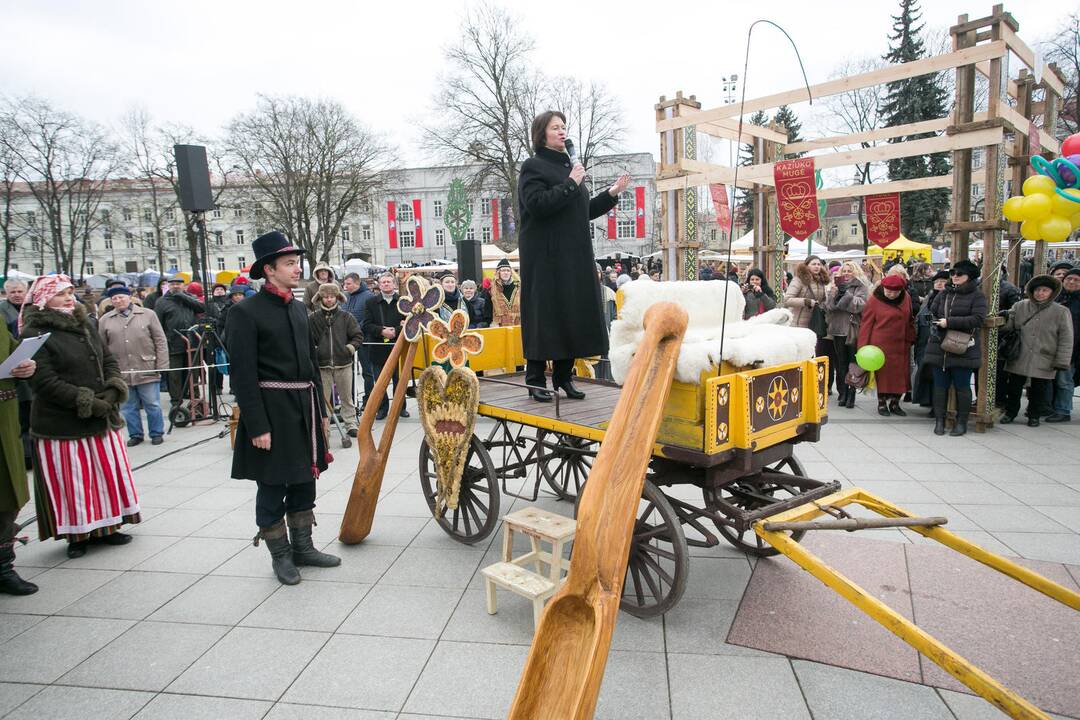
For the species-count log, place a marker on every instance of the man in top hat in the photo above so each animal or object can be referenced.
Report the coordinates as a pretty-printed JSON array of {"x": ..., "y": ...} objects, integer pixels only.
[{"x": 281, "y": 436}]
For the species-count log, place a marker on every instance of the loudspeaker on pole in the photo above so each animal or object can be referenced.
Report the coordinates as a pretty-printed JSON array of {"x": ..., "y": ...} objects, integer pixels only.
[{"x": 193, "y": 174}]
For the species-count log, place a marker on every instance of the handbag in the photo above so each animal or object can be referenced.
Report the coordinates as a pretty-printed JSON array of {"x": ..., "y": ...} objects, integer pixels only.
[
  {"x": 1010, "y": 343},
  {"x": 856, "y": 377},
  {"x": 818, "y": 323},
  {"x": 853, "y": 330},
  {"x": 955, "y": 342}
]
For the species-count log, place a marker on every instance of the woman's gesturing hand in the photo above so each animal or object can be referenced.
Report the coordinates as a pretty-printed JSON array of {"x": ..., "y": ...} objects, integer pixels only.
[
  {"x": 577, "y": 174},
  {"x": 621, "y": 184}
]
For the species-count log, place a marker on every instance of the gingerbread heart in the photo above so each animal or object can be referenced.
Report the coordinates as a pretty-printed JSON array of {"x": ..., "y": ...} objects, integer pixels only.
[{"x": 448, "y": 405}]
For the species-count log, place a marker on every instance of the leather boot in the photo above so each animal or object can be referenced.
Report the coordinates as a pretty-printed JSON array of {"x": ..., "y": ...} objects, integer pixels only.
[
  {"x": 849, "y": 401},
  {"x": 303, "y": 549},
  {"x": 571, "y": 390},
  {"x": 941, "y": 404},
  {"x": 277, "y": 542},
  {"x": 963, "y": 409},
  {"x": 10, "y": 582}
]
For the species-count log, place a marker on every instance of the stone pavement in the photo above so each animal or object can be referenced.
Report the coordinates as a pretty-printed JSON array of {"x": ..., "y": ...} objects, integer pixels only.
[{"x": 188, "y": 622}]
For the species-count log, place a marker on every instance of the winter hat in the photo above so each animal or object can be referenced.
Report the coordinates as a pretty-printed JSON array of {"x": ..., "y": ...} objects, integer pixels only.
[
  {"x": 1074, "y": 271},
  {"x": 240, "y": 281},
  {"x": 893, "y": 282},
  {"x": 503, "y": 263},
  {"x": 1046, "y": 281},
  {"x": 622, "y": 280},
  {"x": 195, "y": 289},
  {"x": 332, "y": 289},
  {"x": 118, "y": 290},
  {"x": 940, "y": 275},
  {"x": 965, "y": 267},
  {"x": 1061, "y": 265}
]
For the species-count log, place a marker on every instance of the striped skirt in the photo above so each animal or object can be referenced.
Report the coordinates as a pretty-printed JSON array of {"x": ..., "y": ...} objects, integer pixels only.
[{"x": 83, "y": 488}]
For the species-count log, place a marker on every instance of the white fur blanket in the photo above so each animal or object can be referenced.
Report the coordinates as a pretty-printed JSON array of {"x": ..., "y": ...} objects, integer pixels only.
[{"x": 767, "y": 338}]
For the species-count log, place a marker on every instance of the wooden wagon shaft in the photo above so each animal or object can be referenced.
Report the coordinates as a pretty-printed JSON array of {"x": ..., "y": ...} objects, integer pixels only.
[
  {"x": 855, "y": 523},
  {"x": 367, "y": 481},
  {"x": 565, "y": 667}
]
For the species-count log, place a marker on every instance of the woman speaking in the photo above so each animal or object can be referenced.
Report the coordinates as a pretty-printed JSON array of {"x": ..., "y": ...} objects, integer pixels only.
[{"x": 562, "y": 315}]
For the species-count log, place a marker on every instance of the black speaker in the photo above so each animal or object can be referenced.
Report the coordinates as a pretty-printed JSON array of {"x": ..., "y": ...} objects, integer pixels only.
[
  {"x": 194, "y": 178},
  {"x": 469, "y": 261}
]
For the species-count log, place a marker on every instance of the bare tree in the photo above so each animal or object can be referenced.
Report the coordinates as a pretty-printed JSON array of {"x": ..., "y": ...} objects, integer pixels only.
[
  {"x": 1063, "y": 50},
  {"x": 10, "y": 168},
  {"x": 313, "y": 163},
  {"x": 65, "y": 162},
  {"x": 149, "y": 159},
  {"x": 592, "y": 114}
]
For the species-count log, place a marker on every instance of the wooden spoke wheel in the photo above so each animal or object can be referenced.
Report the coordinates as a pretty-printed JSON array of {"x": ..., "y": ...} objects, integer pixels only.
[
  {"x": 659, "y": 561},
  {"x": 477, "y": 512},
  {"x": 751, "y": 494},
  {"x": 565, "y": 462}
]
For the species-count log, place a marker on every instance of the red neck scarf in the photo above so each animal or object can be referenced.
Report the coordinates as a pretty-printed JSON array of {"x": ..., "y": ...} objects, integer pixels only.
[{"x": 285, "y": 295}]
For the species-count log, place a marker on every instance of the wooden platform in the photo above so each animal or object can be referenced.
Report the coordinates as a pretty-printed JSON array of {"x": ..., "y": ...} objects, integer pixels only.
[{"x": 510, "y": 402}]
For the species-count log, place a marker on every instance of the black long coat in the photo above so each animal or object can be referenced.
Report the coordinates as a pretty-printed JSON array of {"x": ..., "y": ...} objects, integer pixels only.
[
  {"x": 967, "y": 310},
  {"x": 562, "y": 313},
  {"x": 379, "y": 314},
  {"x": 269, "y": 340}
]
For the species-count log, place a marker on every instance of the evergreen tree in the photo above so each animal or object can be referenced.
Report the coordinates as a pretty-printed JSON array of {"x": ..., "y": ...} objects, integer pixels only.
[
  {"x": 786, "y": 118},
  {"x": 922, "y": 213},
  {"x": 744, "y": 199}
]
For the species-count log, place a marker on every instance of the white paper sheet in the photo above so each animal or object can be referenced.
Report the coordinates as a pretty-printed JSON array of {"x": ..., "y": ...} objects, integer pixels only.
[{"x": 24, "y": 352}]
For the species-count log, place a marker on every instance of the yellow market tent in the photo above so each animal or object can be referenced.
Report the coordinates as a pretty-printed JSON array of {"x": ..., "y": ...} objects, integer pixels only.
[{"x": 904, "y": 248}]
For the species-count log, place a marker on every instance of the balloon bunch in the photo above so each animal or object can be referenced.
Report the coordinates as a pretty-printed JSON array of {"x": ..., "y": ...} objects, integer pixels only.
[{"x": 1049, "y": 209}]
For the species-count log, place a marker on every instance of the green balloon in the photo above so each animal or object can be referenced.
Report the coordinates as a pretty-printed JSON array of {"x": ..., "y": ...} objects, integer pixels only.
[{"x": 870, "y": 358}]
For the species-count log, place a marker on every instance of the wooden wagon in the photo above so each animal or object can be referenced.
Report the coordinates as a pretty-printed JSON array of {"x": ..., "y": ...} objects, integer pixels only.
[{"x": 730, "y": 436}]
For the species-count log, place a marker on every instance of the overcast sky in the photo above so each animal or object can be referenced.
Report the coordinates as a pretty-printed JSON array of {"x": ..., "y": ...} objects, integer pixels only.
[{"x": 200, "y": 62}]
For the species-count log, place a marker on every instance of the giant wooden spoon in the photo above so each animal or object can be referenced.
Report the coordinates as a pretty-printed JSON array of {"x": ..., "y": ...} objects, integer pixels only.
[
  {"x": 562, "y": 675},
  {"x": 367, "y": 481}
]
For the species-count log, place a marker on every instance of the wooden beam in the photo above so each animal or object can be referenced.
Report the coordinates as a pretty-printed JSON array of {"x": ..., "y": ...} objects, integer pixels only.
[
  {"x": 717, "y": 173},
  {"x": 984, "y": 70},
  {"x": 889, "y": 74},
  {"x": 853, "y": 191},
  {"x": 1027, "y": 56},
  {"x": 1021, "y": 125},
  {"x": 917, "y": 128},
  {"x": 729, "y": 129}
]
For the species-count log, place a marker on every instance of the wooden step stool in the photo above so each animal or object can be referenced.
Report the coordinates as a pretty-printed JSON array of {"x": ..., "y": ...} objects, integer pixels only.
[{"x": 510, "y": 573}]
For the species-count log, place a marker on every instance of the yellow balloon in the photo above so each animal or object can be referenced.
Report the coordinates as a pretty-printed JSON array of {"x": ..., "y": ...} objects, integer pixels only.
[
  {"x": 1039, "y": 185},
  {"x": 1075, "y": 220},
  {"x": 1064, "y": 206},
  {"x": 1013, "y": 209},
  {"x": 1055, "y": 228},
  {"x": 1029, "y": 230},
  {"x": 1037, "y": 207}
]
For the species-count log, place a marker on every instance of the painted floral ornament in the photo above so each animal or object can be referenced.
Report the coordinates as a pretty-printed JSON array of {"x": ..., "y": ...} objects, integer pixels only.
[
  {"x": 418, "y": 305},
  {"x": 455, "y": 342}
]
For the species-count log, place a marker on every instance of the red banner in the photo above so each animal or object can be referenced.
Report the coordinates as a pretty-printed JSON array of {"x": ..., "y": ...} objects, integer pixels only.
[
  {"x": 419, "y": 224},
  {"x": 796, "y": 197},
  {"x": 495, "y": 220},
  {"x": 883, "y": 218},
  {"x": 391, "y": 222},
  {"x": 720, "y": 203},
  {"x": 612, "y": 230},
  {"x": 639, "y": 211}
]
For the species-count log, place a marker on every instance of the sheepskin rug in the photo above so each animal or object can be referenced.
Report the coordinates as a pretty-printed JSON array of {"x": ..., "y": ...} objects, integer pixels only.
[{"x": 767, "y": 339}]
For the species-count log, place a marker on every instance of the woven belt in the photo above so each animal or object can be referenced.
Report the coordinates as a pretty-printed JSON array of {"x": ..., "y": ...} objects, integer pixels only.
[
  {"x": 7, "y": 395},
  {"x": 310, "y": 387}
]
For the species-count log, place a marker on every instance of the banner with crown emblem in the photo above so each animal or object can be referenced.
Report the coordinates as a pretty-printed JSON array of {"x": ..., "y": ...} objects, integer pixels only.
[
  {"x": 796, "y": 197},
  {"x": 883, "y": 218}
]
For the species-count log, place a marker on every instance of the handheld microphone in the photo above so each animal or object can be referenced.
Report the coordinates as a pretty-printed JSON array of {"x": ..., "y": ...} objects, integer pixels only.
[{"x": 571, "y": 151}]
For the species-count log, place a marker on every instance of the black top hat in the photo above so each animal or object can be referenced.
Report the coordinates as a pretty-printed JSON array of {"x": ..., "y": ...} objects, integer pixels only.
[{"x": 269, "y": 246}]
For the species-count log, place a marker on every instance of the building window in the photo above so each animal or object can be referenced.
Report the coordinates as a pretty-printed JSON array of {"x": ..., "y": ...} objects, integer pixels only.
[
  {"x": 221, "y": 263},
  {"x": 485, "y": 234},
  {"x": 408, "y": 238},
  {"x": 39, "y": 269},
  {"x": 625, "y": 229},
  {"x": 485, "y": 207},
  {"x": 174, "y": 263},
  {"x": 834, "y": 232},
  {"x": 440, "y": 237},
  {"x": 107, "y": 233},
  {"x": 854, "y": 229},
  {"x": 148, "y": 239},
  {"x": 31, "y": 218},
  {"x": 216, "y": 213},
  {"x": 170, "y": 214},
  {"x": 108, "y": 241},
  {"x": 151, "y": 263},
  {"x": 239, "y": 237},
  {"x": 855, "y": 208},
  {"x": 404, "y": 212},
  {"x": 129, "y": 241},
  {"x": 127, "y": 214},
  {"x": 436, "y": 208},
  {"x": 104, "y": 216},
  {"x": 170, "y": 238},
  {"x": 977, "y": 158},
  {"x": 976, "y": 190},
  {"x": 241, "y": 262},
  {"x": 147, "y": 215},
  {"x": 110, "y": 266},
  {"x": 89, "y": 268},
  {"x": 626, "y": 202},
  {"x": 345, "y": 236},
  {"x": 35, "y": 244},
  {"x": 219, "y": 237},
  {"x": 238, "y": 213},
  {"x": 470, "y": 234},
  {"x": 365, "y": 232}
]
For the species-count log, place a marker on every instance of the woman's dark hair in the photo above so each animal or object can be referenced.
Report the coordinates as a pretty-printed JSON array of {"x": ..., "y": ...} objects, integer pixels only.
[
  {"x": 539, "y": 127},
  {"x": 756, "y": 272}
]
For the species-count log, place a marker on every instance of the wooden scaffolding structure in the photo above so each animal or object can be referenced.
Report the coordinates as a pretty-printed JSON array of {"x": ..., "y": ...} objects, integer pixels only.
[{"x": 1018, "y": 112}]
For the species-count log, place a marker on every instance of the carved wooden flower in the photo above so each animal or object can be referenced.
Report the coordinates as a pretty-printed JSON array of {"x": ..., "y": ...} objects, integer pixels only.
[
  {"x": 417, "y": 304},
  {"x": 455, "y": 343}
]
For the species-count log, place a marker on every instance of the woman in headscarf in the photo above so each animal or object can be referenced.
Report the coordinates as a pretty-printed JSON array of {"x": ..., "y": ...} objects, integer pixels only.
[
  {"x": 757, "y": 293},
  {"x": 886, "y": 323},
  {"x": 82, "y": 479}
]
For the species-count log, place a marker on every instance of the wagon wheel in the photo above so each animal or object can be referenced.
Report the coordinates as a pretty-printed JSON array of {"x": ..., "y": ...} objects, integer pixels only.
[
  {"x": 747, "y": 494},
  {"x": 179, "y": 416},
  {"x": 659, "y": 561},
  {"x": 477, "y": 512},
  {"x": 565, "y": 462}
]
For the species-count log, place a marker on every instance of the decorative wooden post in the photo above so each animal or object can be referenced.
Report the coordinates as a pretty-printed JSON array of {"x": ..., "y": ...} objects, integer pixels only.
[
  {"x": 1020, "y": 162},
  {"x": 678, "y": 233}
]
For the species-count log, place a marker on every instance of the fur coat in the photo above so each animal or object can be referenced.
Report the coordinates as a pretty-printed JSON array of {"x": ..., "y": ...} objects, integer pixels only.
[{"x": 804, "y": 292}]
